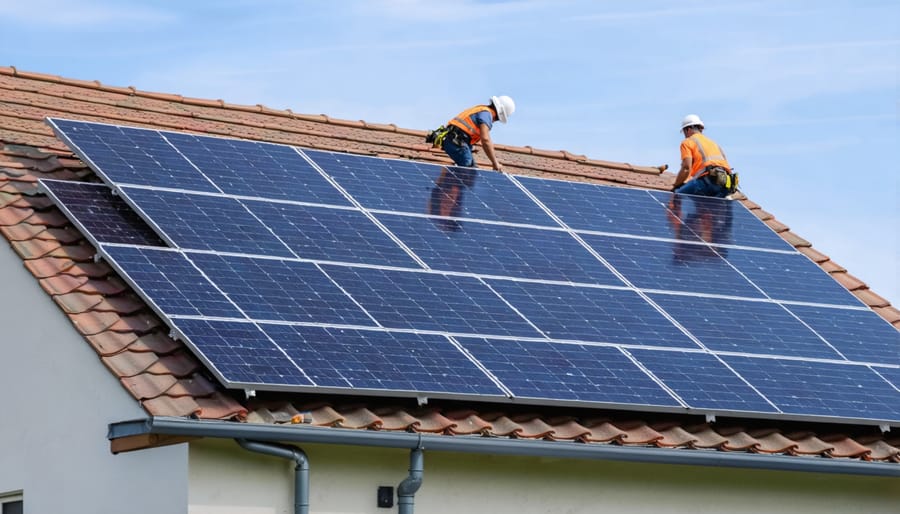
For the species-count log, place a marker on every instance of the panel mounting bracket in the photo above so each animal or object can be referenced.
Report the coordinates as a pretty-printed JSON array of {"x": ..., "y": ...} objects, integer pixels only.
[
  {"x": 885, "y": 428},
  {"x": 710, "y": 418},
  {"x": 249, "y": 393},
  {"x": 422, "y": 400}
]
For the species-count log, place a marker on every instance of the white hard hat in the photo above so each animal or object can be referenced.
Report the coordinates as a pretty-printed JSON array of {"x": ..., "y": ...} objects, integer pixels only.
[
  {"x": 691, "y": 120},
  {"x": 504, "y": 105}
]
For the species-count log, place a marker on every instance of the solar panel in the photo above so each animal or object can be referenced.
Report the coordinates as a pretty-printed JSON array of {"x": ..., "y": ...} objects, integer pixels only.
[
  {"x": 291, "y": 269},
  {"x": 821, "y": 388},
  {"x": 100, "y": 214},
  {"x": 204, "y": 222},
  {"x": 591, "y": 314},
  {"x": 491, "y": 249},
  {"x": 573, "y": 372},
  {"x": 419, "y": 188},
  {"x": 127, "y": 155},
  {"x": 261, "y": 169}
]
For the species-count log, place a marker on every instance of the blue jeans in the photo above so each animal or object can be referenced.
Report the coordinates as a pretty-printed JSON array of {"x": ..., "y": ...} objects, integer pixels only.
[
  {"x": 461, "y": 154},
  {"x": 702, "y": 186}
]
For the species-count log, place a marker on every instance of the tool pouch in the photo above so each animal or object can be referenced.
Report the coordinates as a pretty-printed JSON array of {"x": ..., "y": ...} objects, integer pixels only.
[{"x": 436, "y": 136}]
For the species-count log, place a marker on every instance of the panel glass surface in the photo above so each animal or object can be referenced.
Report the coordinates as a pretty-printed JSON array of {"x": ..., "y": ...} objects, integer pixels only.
[
  {"x": 257, "y": 169},
  {"x": 591, "y": 314},
  {"x": 859, "y": 335},
  {"x": 672, "y": 266},
  {"x": 381, "y": 360},
  {"x": 821, "y": 389},
  {"x": 491, "y": 249},
  {"x": 744, "y": 326},
  {"x": 170, "y": 281},
  {"x": 203, "y": 222},
  {"x": 105, "y": 216},
  {"x": 430, "y": 301},
  {"x": 892, "y": 375},
  {"x": 702, "y": 381},
  {"x": 414, "y": 187},
  {"x": 791, "y": 277},
  {"x": 567, "y": 372},
  {"x": 276, "y": 290},
  {"x": 241, "y": 353},
  {"x": 607, "y": 209},
  {"x": 326, "y": 234},
  {"x": 125, "y": 155},
  {"x": 720, "y": 221}
]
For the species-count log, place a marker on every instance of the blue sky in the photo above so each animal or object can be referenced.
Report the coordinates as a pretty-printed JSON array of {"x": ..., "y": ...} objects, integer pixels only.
[{"x": 804, "y": 96}]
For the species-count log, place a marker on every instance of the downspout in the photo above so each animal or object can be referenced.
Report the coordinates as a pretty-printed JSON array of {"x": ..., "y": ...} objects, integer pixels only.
[
  {"x": 301, "y": 470},
  {"x": 406, "y": 491}
]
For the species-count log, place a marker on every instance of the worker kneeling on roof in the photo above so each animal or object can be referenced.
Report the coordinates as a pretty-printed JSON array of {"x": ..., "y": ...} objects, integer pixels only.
[
  {"x": 704, "y": 169},
  {"x": 471, "y": 127}
]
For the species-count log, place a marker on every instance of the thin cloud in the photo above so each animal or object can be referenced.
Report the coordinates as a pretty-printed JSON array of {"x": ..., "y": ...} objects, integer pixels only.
[{"x": 430, "y": 11}]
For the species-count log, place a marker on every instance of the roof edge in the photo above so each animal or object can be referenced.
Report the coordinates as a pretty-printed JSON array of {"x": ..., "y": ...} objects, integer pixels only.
[{"x": 124, "y": 434}]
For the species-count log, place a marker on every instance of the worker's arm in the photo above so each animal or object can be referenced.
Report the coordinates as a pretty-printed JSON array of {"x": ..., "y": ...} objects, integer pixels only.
[
  {"x": 683, "y": 172},
  {"x": 488, "y": 146}
]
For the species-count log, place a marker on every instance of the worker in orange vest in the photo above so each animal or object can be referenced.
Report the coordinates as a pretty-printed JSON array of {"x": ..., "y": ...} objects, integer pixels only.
[
  {"x": 473, "y": 126},
  {"x": 704, "y": 169}
]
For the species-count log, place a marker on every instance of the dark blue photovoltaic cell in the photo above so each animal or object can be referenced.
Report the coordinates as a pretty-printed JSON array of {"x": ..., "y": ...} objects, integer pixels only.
[
  {"x": 702, "y": 381},
  {"x": 380, "y": 360},
  {"x": 241, "y": 353},
  {"x": 430, "y": 301},
  {"x": 607, "y": 209},
  {"x": 168, "y": 279},
  {"x": 672, "y": 266},
  {"x": 499, "y": 250},
  {"x": 407, "y": 186},
  {"x": 125, "y": 155},
  {"x": 105, "y": 216},
  {"x": 567, "y": 372},
  {"x": 322, "y": 233},
  {"x": 892, "y": 375},
  {"x": 860, "y": 335},
  {"x": 203, "y": 222},
  {"x": 256, "y": 169},
  {"x": 791, "y": 277},
  {"x": 276, "y": 290},
  {"x": 743, "y": 326},
  {"x": 720, "y": 221},
  {"x": 591, "y": 314},
  {"x": 821, "y": 389}
]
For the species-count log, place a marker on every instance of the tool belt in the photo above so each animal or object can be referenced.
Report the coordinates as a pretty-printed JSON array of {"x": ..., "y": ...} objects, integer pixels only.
[
  {"x": 722, "y": 177},
  {"x": 437, "y": 136}
]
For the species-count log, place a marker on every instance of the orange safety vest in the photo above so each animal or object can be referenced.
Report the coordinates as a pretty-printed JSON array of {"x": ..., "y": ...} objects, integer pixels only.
[
  {"x": 704, "y": 152},
  {"x": 463, "y": 121}
]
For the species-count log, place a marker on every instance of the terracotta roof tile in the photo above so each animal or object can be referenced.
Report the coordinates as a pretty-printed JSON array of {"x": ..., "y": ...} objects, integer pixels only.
[
  {"x": 168, "y": 406},
  {"x": 169, "y": 381}
]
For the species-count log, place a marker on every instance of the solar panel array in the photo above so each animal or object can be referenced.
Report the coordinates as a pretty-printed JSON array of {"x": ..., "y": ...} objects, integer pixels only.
[{"x": 295, "y": 270}]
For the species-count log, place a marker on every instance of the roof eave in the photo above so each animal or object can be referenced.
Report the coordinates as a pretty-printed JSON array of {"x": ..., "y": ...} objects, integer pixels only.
[{"x": 133, "y": 435}]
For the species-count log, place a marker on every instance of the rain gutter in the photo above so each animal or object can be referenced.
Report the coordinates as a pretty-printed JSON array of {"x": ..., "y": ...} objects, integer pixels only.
[{"x": 185, "y": 427}]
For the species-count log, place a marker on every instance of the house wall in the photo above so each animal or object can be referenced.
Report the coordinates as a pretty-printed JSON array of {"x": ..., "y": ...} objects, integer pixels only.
[
  {"x": 225, "y": 479},
  {"x": 58, "y": 399}
]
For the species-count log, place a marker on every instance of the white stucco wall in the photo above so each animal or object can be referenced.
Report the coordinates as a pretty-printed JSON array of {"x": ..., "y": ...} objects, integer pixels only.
[
  {"x": 226, "y": 479},
  {"x": 58, "y": 399}
]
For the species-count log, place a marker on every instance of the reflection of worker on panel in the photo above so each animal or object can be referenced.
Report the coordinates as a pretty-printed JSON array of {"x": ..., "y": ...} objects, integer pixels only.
[
  {"x": 447, "y": 195},
  {"x": 708, "y": 220}
]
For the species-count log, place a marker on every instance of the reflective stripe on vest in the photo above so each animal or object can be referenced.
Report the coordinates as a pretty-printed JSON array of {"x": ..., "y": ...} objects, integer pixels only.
[
  {"x": 715, "y": 158},
  {"x": 463, "y": 121}
]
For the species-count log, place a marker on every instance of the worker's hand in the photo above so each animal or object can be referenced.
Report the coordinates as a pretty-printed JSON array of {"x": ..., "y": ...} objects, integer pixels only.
[
  {"x": 674, "y": 187},
  {"x": 498, "y": 167}
]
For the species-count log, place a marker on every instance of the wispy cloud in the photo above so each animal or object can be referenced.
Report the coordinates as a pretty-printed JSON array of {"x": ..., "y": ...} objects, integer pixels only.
[
  {"x": 429, "y": 10},
  {"x": 78, "y": 14}
]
